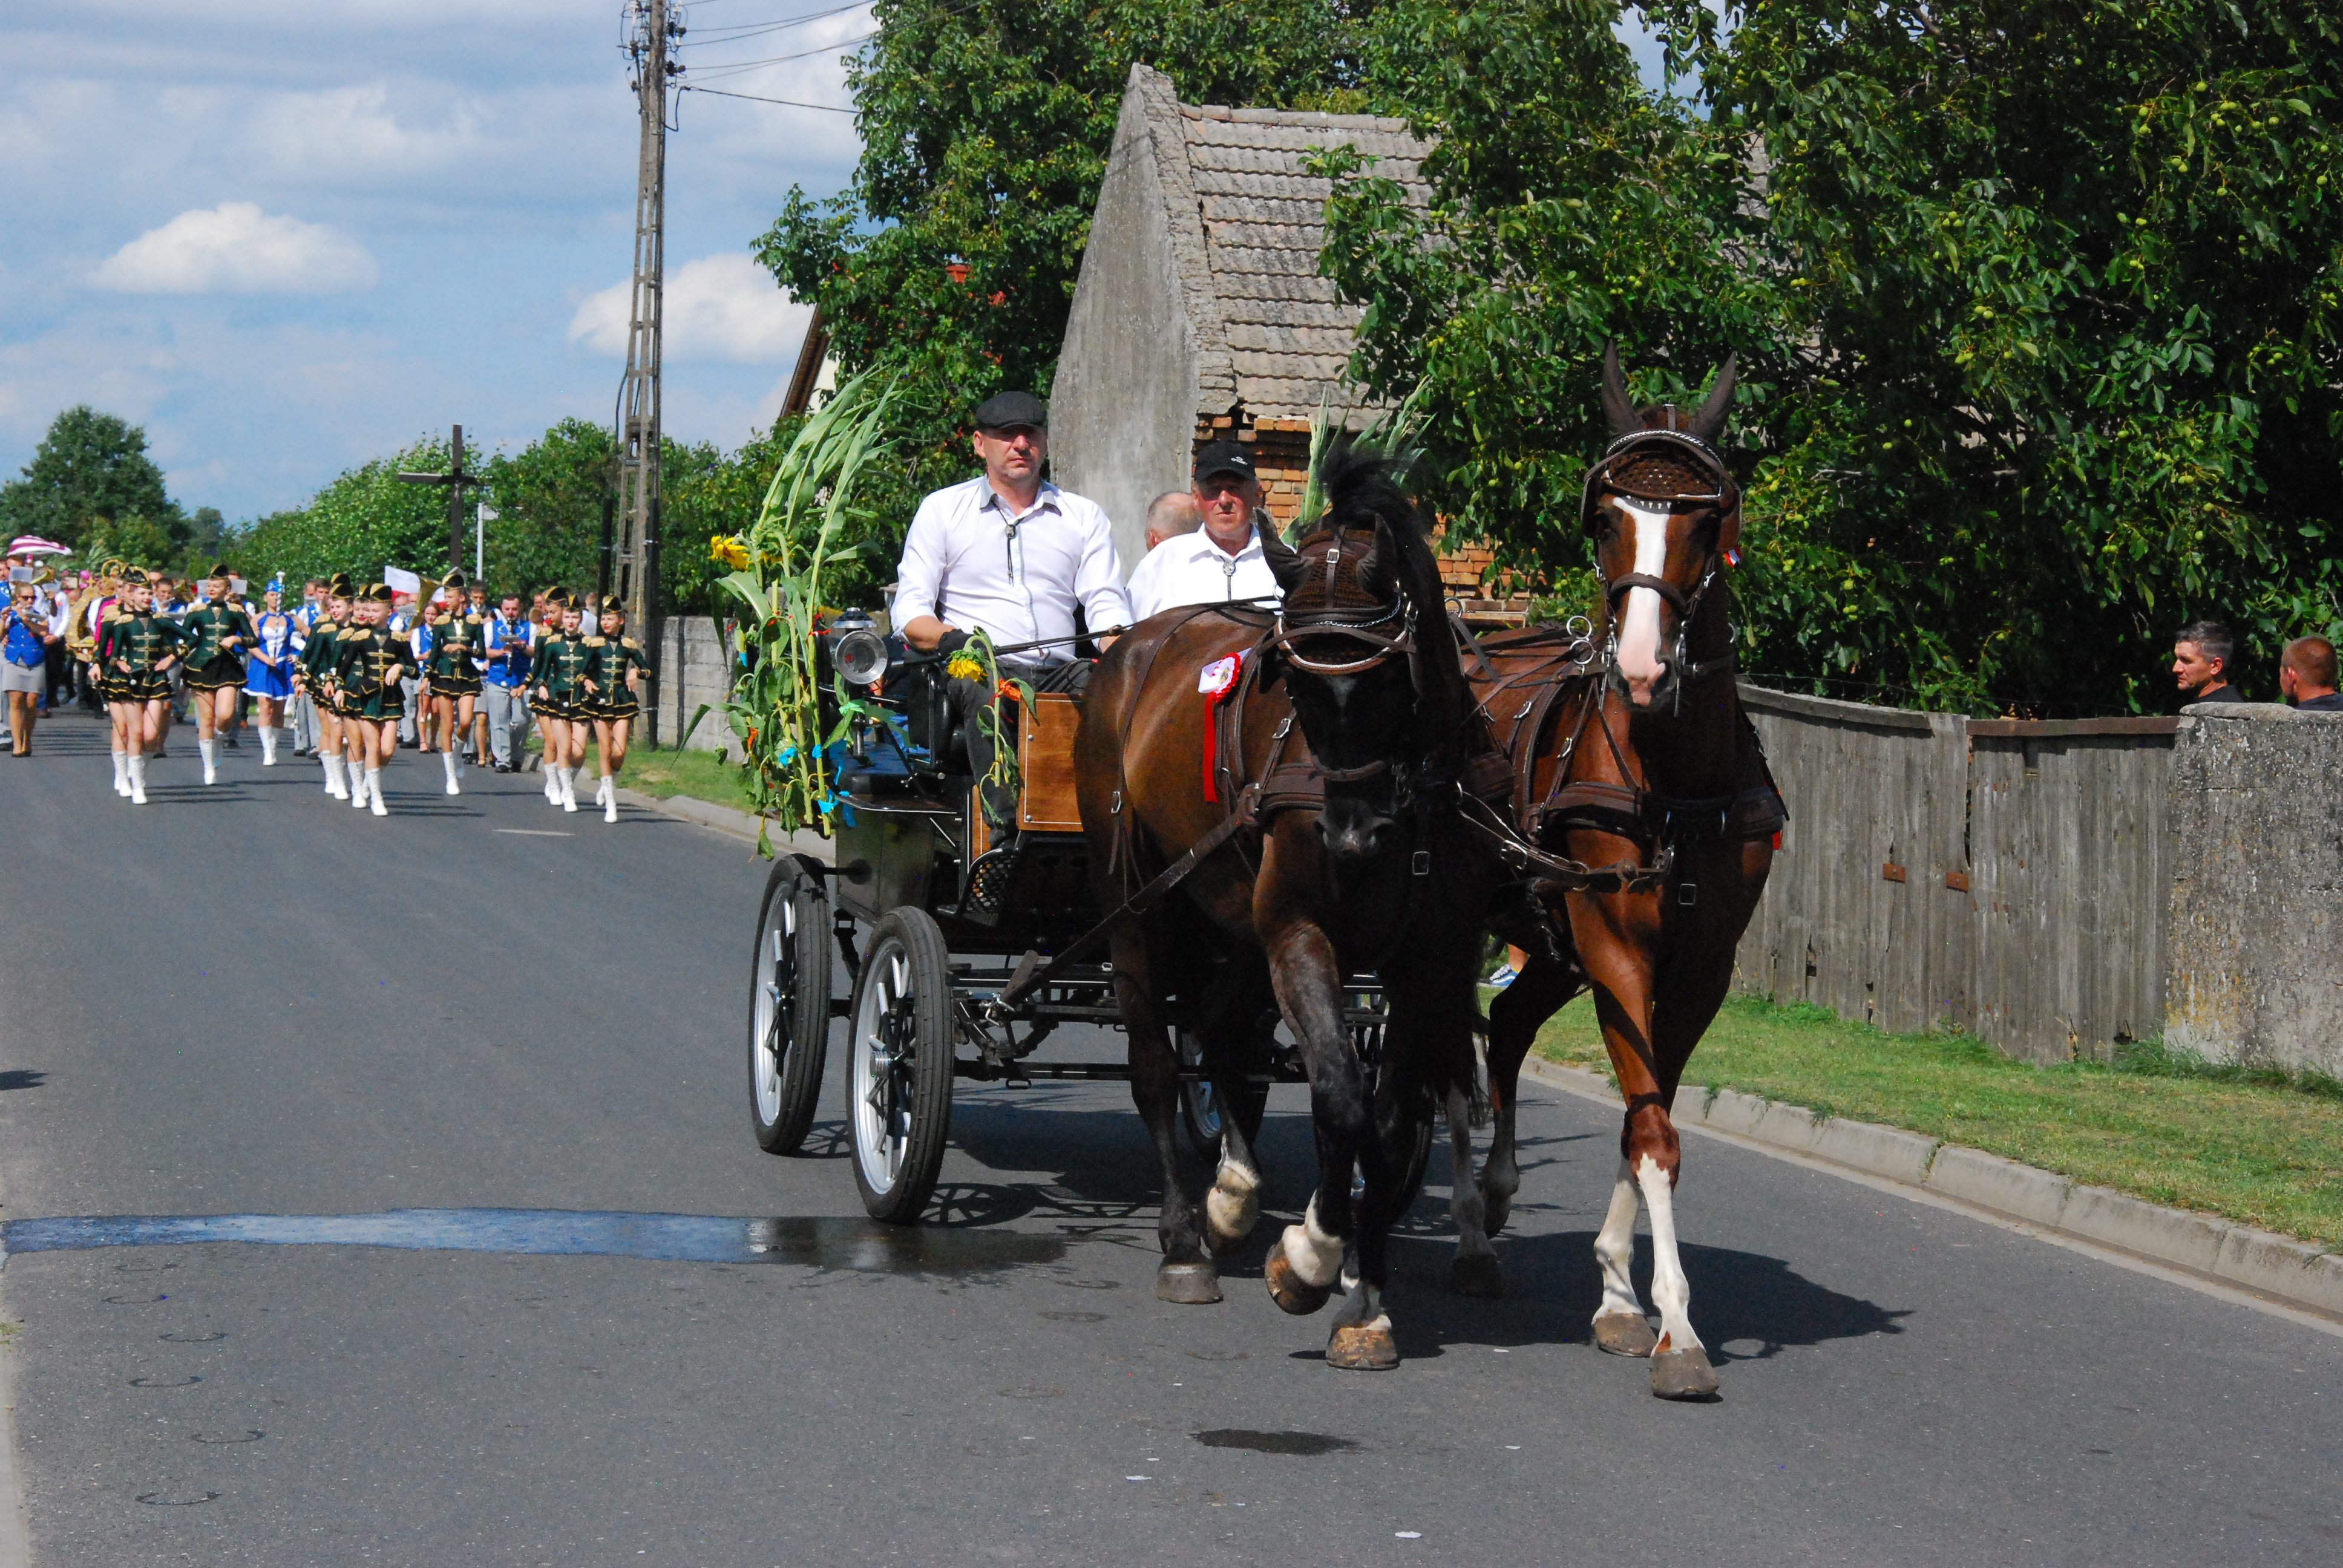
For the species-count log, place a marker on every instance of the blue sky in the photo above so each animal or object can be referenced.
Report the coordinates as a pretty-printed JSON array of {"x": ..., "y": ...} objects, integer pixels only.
[{"x": 288, "y": 236}]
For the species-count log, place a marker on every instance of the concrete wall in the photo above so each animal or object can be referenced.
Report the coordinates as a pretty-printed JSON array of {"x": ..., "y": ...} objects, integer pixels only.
[
  {"x": 693, "y": 670},
  {"x": 2255, "y": 905},
  {"x": 1123, "y": 408}
]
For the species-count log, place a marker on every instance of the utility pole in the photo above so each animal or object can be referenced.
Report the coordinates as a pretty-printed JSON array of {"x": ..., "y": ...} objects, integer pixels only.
[
  {"x": 634, "y": 560},
  {"x": 456, "y": 479}
]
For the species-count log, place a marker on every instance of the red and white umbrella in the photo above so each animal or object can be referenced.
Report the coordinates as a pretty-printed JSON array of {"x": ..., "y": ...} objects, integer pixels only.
[{"x": 34, "y": 544}]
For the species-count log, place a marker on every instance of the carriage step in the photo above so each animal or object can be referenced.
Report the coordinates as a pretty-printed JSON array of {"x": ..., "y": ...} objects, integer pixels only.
[{"x": 987, "y": 880}]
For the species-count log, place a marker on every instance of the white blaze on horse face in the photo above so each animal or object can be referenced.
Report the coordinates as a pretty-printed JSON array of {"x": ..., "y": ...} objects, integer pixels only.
[{"x": 1639, "y": 631}]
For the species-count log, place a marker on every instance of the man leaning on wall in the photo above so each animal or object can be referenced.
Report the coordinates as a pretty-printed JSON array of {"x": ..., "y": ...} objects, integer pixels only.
[
  {"x": 2306, "y": 675},
  {"x": 2201, "y": 652}
]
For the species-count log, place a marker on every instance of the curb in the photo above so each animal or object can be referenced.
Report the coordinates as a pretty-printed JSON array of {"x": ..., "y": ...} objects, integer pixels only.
[{"x": 2298, "y": 1274}]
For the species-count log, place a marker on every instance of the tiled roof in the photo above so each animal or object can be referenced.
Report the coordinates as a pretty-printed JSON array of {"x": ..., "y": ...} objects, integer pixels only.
[{"x": 1247, "y": 225}]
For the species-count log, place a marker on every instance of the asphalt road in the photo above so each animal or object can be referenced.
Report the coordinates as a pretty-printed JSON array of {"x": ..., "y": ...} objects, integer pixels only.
[{"x": 252, "y": 1001}]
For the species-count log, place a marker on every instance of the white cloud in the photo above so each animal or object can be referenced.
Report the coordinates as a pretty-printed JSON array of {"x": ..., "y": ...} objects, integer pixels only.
[
  {"x": 237, "y": 248},
  {"x": 718, "y": 307}
]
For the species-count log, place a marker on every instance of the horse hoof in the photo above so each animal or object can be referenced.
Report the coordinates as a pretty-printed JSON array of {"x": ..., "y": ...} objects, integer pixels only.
[
  {"x": 1478, "y": 1275},
  {"x": 1190, "y": 1284},
  {"x": 1625, "y": 1335},
  {"x": 1288, "y": 1290},
  {"x": 1362, "y": 1347},
  {"x": 1682, "y": 1374}
]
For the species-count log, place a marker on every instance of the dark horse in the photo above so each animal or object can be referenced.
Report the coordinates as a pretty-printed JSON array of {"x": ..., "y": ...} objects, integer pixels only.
[
  {"x": 1640, "y": 778},
  {"x": 1314, "y": 797}
]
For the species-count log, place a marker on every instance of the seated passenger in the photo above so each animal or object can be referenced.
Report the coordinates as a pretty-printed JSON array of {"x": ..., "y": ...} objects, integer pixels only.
[
  {"x": 1011, "y": 554},
  {"x": 1220, "y": 560}
]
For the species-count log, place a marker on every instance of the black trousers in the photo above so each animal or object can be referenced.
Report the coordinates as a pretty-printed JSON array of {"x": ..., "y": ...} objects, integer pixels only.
[{"x": 969, "y": 697}]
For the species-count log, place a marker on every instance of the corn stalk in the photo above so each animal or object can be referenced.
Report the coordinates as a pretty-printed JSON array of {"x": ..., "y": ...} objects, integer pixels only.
[
  {"x": 775, "y": 588},
  {"x": 1392, "y": 431}
]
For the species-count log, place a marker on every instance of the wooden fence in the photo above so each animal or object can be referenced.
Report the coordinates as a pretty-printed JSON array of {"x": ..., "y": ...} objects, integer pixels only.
[{"x": 2002, "y": 875}]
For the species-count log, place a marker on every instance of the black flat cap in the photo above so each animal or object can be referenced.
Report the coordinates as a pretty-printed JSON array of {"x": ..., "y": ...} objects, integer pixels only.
[
  {"x": 1007, "y": 410},
  {"x": 1224, "y": 457}
]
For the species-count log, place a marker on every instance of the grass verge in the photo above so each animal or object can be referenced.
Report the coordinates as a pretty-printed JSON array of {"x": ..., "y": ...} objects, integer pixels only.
[
  {"x": 2251, "y": 1147},
  {"x": 662, "y": 774}
]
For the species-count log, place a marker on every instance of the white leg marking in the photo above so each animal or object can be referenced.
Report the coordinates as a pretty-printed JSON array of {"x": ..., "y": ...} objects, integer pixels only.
[
  {"x": 1311, "y": 1253},
  {"x": 1234, "y": 1205},
  {"x": 1615, "y": 1251},
  {"x": 1639, "y": 631},
  {"x": 1670, "y": 1291}
]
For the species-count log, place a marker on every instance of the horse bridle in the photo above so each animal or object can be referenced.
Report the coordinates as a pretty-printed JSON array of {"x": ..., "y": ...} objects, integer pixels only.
[
  {"x": 1292, "y": 624},
  {"x": 1726, "y": 497}
]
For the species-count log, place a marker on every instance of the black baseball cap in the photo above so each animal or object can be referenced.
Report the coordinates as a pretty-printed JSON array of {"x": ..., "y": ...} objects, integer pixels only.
[
  {"x": 1008, "y": 410},
  {"x": 1224, "y": 457}
]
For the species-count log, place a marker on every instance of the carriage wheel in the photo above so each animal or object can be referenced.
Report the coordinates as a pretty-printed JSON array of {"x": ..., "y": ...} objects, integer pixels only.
[
  {"x": 1200, "y": 1106},
  {"x": 789, "y": 1007},
  {"x": 900, "y": 1091}
]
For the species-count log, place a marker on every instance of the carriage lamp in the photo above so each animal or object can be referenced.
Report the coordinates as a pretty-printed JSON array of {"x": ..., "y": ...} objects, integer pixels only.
[{"x": 860, "y": 656}]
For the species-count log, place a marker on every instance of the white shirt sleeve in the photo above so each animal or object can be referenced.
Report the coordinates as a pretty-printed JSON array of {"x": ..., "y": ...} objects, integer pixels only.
[
  {"x": 1098, "y": 580},
  {"x": 920, "y": 581}
]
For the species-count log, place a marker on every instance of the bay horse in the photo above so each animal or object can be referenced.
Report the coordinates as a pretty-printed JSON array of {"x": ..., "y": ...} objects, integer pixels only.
[
  {"x": 1300, "y": 769},
  {"x": 1641, "y": 782}
]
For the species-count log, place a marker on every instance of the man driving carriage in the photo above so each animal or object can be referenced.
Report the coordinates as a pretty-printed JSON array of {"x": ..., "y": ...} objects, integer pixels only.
[{"x": 1012, "y": 556}]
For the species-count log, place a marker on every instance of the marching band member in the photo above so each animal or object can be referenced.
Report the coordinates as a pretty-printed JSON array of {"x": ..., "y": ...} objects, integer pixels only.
[
  {"x": 218, "y": 633},
  {"x": 316, "y": 677},
  {"x": 371, "y": 668},
  {"x": 137, "y": 647},
  {"x": 509, "y": 644},
  {"x": 560, "y": 667},
  {"x": 453, "y": 681},
  {"x": 269, "y": 676},
  {"x": 25, "y": 639},
  {"x": 614, "y": 666}
]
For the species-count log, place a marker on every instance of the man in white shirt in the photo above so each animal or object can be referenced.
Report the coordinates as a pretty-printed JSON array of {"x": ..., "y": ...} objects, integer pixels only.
[
  {"x": 1012, "y": 556},
  {"x": 1221, "y": 560}
]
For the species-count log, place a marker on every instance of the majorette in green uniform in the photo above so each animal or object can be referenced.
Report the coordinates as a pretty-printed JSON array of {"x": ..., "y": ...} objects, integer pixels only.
[
  {"x": 555, "y": 678},
  {"x": 369, "y": 662},
  {"x": 316, "y": 677},
  {"x": 453, "y": 635},
  {"x": 219, "y": 637},
  {"x": 612, "y": 658},
  {"x": 137, "y": 647}
]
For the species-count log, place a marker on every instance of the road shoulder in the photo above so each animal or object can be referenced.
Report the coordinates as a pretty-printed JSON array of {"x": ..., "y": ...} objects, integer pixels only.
[{"x": 2271, "y": 1273}]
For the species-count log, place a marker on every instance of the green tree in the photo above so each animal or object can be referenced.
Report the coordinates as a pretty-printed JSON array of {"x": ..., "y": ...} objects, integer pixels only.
[
  {"x": 549, "y": 500},
  {"x": 2037, "y": 304},
  {"x": 89, "y": 470},
  {"x": 986, "y": 126}
]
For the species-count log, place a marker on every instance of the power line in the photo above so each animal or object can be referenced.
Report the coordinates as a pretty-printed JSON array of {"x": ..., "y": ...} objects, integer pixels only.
[
  {"x": 755, "y": 29},
  {"x": 730, "y": 66},
  {"x": 756, "y": 98}
]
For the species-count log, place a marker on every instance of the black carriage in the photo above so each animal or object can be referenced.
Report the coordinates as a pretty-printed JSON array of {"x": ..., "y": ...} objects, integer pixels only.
[{"x": 964, "y": 955}]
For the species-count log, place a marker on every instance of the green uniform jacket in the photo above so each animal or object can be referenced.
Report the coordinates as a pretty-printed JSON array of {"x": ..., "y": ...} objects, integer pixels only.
[
  {"x": 455, "y": 640},
  {"x": 369, "y": 662},
  {"x": 141, "y": 642},
  {"x": 608, "y": 659},
  {"x": 318, "y": 657},
  {"x": 559, "y": 666},
  {"x": 211, "y": 662}
]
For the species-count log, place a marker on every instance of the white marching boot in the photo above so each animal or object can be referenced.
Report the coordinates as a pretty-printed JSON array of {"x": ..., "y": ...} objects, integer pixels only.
[
  {"x": 267, "y": 746},
  {"x": 448, "y": 761},
  {"x": 374, "y": 792},
  {"x": 356, "y": 772},
  {"x": 568, "y": 788},
  {"x": 210, "y": 750},
  {"x": 552, "y": 784},
  {"x": 137, "y": 779},
  {"x": 334, "y": 784},
  {"x": 610, "y": 798},
  {"x": 121, "y": 774}
]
